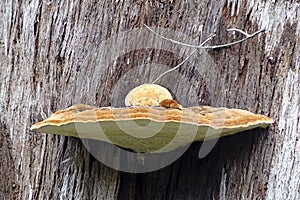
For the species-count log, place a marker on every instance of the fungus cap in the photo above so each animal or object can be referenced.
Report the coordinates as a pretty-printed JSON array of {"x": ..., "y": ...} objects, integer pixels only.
[
  {"x": 205, "y": 122},
  {"x": 147, "y": 95}
]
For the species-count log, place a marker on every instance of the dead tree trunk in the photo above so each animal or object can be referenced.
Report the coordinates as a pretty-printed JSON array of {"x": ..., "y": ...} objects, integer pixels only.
[{"x": 54, "y": 54}]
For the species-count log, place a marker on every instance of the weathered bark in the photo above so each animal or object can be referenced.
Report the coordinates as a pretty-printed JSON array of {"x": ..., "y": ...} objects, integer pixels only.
[{"x": 52, "y": 56}]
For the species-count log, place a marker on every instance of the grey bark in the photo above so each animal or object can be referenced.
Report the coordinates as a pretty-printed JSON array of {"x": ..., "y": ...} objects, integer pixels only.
[{"x": 52, "y": 56}]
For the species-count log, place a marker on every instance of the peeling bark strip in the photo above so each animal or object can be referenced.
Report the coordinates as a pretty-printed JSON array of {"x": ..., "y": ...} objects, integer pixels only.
[{"x": 52, "y": 56}]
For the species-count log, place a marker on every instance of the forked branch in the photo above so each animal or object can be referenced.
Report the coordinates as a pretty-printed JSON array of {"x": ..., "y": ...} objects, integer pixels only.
[{"x": 201, "y": 46}]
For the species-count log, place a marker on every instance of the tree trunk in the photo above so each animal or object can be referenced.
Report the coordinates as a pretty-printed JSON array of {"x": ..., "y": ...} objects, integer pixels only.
[{"x": 58, "y": 53}]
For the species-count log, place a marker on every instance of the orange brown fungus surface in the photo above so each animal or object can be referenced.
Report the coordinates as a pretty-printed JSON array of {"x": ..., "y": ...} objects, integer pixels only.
[
  {"x": 89, "y": 122},
  {"x": 199, "y": 115},
  {"x": 170, "y": 103}
]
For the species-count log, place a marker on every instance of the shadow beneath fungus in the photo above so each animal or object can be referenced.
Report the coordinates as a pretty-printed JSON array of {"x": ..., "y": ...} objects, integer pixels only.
[{"x": 189, "y": 174}]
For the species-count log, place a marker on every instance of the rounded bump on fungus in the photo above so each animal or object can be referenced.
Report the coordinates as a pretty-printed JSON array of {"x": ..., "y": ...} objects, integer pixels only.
[
  {"x": 170, "y": 103},
  {"x": 143, "y": 101},
  {"x": 147, "y": 95}
]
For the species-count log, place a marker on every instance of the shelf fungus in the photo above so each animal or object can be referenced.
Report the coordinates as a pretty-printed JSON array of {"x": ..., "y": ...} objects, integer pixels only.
[{"x": 150, "y": 123}]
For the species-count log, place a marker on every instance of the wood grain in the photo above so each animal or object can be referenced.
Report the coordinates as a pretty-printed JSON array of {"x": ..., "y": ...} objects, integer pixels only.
[{"x": 59, "y": 53}]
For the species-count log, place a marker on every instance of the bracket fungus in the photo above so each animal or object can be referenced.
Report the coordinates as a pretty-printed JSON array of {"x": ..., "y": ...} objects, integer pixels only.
[{"x": 150, "y": 128}]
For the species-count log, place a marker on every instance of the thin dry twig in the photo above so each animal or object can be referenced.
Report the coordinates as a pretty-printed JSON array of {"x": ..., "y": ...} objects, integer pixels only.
[
  {"x": 201, "y": 46},
  {"x": 67, "y": 160},
  {"x": 247, "y": 36},
  {"x": 177, "y": 66}
]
